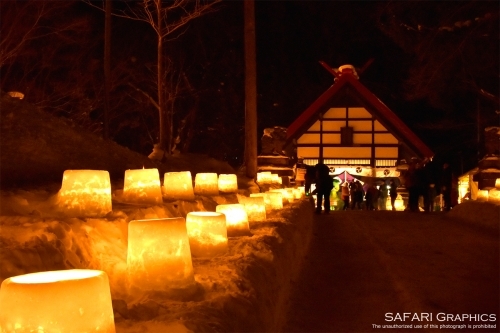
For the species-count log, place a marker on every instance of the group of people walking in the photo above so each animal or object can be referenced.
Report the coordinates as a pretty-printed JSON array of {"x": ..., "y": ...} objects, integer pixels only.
[
  {"x": 421, "y": 180},
  {"x": 370, "y": 197}
]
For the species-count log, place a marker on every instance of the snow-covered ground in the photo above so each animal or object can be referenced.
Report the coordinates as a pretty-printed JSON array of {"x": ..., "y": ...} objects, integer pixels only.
[{"x": 245, "y": 289}]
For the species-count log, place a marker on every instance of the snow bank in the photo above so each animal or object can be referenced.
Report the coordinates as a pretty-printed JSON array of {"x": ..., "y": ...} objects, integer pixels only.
[{"x": 244, "y": 290}]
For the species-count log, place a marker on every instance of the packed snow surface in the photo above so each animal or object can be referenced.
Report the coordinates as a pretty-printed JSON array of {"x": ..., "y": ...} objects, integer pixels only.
[{"x": 243, "y": 290}]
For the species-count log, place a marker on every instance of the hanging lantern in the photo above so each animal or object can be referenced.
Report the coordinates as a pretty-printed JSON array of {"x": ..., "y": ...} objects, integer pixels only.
[
  {"x": 178, "y": 186},
  {"x": 75, "y": 300},
  {"x": 159, "y": 257},
  {"x": 482, "y": 195},
  {"x": 142, "y": 186},
  {"x": 255, "y": 208},
  {"x": 494, "y": 195},
  {"x": 206, "y": 184},
  {"x": 228, "y": 183},
  {"x": 236, "y": 219},
  {"x": 264, "y": 177},
  {"x": 207, "y": 233},
  {"x": 85, "y": 193},
  {"x": 497, "y": 183}
]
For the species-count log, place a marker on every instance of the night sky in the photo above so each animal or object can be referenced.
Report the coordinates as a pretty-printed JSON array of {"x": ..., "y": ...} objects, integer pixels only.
[{"x": 291, "y": 38}]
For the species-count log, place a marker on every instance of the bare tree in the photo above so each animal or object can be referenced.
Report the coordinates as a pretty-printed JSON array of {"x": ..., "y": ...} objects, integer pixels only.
[
  {"x": 168, "y": 19},
  {"x": 250, "y": 91}
]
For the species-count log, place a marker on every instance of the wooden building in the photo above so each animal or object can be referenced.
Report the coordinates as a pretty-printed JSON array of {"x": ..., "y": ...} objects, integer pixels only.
[{"x": 349, "y": 129}]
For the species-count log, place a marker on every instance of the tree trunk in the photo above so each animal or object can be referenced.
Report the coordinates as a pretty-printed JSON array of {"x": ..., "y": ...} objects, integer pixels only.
[
  {"x": 250, "y": 91},
  {"x": 107, "y": 67},
  {"x": 162, "y": 119}
]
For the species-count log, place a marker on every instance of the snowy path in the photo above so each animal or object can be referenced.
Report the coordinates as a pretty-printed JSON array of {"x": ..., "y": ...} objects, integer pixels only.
[{"x": 362, "y": 265}]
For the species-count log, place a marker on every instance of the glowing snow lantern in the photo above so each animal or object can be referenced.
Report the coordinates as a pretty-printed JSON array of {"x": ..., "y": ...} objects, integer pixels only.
[
  {"x": 284, "y": 194},
  {"x": 297, "y": 193},
  {"x": 482, "y": 195},
  {"x": 228, "y": 183},
  {"x": 206, "y": 184},
  {"x": 85, "y": 193},
  {"x": 275, "y": 179},
  {"x": 276, "y": 199},
  {"x": 494, "y": 195},
  {"x": 178, "y": 185},
  {"x": 399, "y": 204},
  {"x": 264, "y": 177},
  {"x": 159, "y": 257},
  {"x": 142, "y": 186},
  {"x": 497, "y": 183},
  {"x": 236, "y": 219},
  {"x": 75, "y": 300},
  {"x": 207, "y": 233},
  {"x": 255, "y": 208}
]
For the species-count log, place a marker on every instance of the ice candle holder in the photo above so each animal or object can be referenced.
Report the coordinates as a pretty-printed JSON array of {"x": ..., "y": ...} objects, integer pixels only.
[
  {"x": 142, "y": 186},
  {"x": 75, "y": 300},
  {"x": 236, "y": 219},
  {"x": 207, "y": 233},
  {"x": 206, "y": 184},
  {"x": 85, "y": 193},
  {"x": 159, "y": 257},
  {"x": 178, "y": 186}
]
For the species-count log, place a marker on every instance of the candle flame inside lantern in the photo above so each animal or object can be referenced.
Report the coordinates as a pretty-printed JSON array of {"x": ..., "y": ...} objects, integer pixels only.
[
  {"x": 207, "y": 233},
  {"x": 142, "y": 186},
  {"x": 159, "y": 257},
  {"x": 206, "y": 184},
  {"x": 228, "y": 183},
  {"x": 85, "y": 193},
  {"x": 255, "y": 208},
  {"x": 497, "y": 183},
  {"x": 178, "y": 185},
  {"x": 236, "y": 219},
  {"x": 76, "y": 300}
]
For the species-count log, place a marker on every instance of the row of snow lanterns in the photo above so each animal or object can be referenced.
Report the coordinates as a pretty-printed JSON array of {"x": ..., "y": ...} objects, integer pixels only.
[
  {"x": 88, "y": 192},
  {"x": 491, "y": 194},
  {"x": 159, "y": 250}
]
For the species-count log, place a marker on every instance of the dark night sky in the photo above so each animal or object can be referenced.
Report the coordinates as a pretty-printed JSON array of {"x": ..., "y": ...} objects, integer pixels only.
[{"x": 291, "y": 38}]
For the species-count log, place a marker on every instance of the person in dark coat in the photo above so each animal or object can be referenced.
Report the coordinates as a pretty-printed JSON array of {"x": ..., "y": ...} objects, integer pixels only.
[
  {"x": 324, "y": 186},
  {"x": 309, "y": 178},
  {"x": 430, "y": 186},
  {"x": 445, "y": 183},
  {"x": 393, "y": 193}
]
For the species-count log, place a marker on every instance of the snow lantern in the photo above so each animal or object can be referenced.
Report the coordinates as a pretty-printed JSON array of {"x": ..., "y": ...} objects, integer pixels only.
[
  {"x": 284, "y": 194},
  {"x": 236, "y": 219},
  {"x": 482, "y": 195},
  {"x": 276, "y": 179},
  {"x": 85, "y": 193},
  {"x": 497, "y": 183},
  {"x": 75, "y": 300},
  {"x": 228, "y": 183},
  {"x": 159, "y": 257},
  {"x": 297, "y": 193},
  {"x": 178, "y": 185},
  {"x": 206, "y": 184},
  {"x": 399, "y": 204},
  {"x": 494, "y": 195},
  {"x": 142, "y": 186},
  {"x": 264, "y": 177},
  {"x": 275, "y": 199},
  {"x": 255, "y": 208},
  {"x": 207, "y": 233}
]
